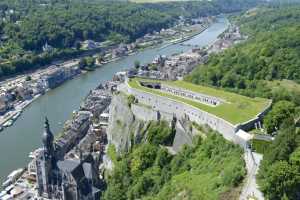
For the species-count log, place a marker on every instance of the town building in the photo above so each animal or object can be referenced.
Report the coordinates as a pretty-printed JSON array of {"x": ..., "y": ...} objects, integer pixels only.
[
  {"x": 65, "y": 179},
  {"x": 90, "y": 44}
]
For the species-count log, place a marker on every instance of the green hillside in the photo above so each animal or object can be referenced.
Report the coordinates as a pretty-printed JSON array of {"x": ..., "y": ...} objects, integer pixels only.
[
  {"x": 26, "y": 26},
  {"x": 267, "y": 65},
  {"x": 211, "y": 169},
  {"x": 272, "y": 53}
]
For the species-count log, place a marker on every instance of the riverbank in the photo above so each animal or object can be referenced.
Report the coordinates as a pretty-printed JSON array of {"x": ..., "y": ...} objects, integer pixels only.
[
  {"x": 37, "y": 83},
  {"x": 29, "y": 186},
  {"x": 59, "y": 104}
]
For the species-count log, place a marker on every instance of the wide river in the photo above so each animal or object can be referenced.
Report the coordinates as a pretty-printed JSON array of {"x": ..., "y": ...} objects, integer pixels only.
[{"x": 58, "y": 104}]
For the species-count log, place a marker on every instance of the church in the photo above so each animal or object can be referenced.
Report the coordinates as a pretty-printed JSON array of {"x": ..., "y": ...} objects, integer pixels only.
[{"x": 65, "y": 179}]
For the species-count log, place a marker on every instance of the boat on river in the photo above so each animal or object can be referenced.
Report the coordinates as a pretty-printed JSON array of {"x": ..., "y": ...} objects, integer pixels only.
[
  {"x": 12, "y": 177},
  {"x": 16, "y": 115},
  {"x": 8, "y": 123}
]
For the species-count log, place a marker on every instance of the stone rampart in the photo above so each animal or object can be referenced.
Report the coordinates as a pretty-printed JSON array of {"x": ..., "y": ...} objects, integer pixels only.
[
  {"x": 180, "y": 109},
  {"x": 246, "y": 126},
  {"x": 144, "y": 113},
  {"x": 169, "y": 107},
  {"x": 147, "y": 114}
]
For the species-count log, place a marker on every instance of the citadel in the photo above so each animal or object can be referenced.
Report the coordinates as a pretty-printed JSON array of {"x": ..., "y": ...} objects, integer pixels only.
[{"x": 71, "y": 166}]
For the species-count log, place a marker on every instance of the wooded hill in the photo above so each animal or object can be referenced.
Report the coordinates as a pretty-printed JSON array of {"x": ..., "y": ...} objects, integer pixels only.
[
  {"x": 211, "y": 169},
  {"x": 26, "y": 26},
  {"x": 272, "y": 52},
  {"x": 267, "y": 65}
]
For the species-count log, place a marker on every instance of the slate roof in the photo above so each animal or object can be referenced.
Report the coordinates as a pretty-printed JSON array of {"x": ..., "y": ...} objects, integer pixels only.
[
  {"x": 68, "y": 165},
  {"x": 78, "y": 169}
]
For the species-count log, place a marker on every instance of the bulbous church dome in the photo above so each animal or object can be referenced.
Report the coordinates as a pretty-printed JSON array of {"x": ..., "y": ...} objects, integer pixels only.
[{"x": 47, "y": 135}]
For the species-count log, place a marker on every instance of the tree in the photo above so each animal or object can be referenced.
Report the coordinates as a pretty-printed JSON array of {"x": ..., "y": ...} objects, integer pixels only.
[
  {"x": 28, "y": 78},
  {"x": 163, "y": 158},
  {"x": 82, "y": 63},
  {"x": 131, "y": 99},
  {"x": 90, "y": 61},
  {"x": 281, "y": 163},
  {"x": 281, "y": 110},
  {"x": 86, "y": 62},
  {"x": 283, "y": 145},
  {"x": 143, "y": 158},
  {"x": 137, "y": 64},
  {"x": 295, "y": 158},
  {"x": 100, "y": 58},
  {"x": 77, "y": 45},
  {"x": 160, "y": 133},
  {"x": 280, "y": 180}
]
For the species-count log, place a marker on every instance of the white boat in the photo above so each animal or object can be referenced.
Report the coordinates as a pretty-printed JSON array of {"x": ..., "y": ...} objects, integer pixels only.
[
  {"x": 6, "y": 183},
  {"x": 8, "y": 123},
  {"x": 12, "y": 177},
  {"x": 15, "y": 173},
  {"x": 16, "y": 115},
  {"x": 31, "y": 155},
  {"x": 2, "y": 194}
]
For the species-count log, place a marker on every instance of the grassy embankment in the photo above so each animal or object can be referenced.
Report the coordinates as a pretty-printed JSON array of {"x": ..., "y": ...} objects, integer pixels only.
[{"x": 237, "y": 109}]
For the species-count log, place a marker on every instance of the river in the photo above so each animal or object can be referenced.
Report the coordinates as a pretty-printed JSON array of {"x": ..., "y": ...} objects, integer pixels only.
[{"x": 58, "y": 104}]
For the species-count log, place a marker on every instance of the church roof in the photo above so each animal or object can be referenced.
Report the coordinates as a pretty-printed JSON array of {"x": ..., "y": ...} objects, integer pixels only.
[
  {"x": 96, "y": 190},
  {"x": 88, "y": 170},
  {"x": 76, "y": 168},
  {"x": 68, "y": 165}
]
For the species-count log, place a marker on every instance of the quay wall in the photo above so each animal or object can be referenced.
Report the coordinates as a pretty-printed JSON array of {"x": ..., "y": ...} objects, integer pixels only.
[{"x": 179, "y": 109}]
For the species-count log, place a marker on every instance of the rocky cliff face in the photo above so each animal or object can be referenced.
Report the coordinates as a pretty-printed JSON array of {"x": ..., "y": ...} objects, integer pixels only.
[
  {"x": 128, "y": 124},
  {"x": 124, "y": 128}
]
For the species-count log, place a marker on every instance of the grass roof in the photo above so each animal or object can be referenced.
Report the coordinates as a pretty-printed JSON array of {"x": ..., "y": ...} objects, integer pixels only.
[{"x": 237, "y": 108}]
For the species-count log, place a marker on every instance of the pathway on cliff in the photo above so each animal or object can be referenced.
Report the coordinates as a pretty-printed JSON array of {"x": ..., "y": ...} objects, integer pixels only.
[{"x": 250, "y": 188}]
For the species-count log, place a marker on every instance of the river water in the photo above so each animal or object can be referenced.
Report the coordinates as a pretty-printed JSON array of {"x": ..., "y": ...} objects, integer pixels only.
[{"x": 58, "y": 104}]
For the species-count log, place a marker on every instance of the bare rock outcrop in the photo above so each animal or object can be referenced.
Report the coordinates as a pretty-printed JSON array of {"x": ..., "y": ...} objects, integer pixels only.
[{"x": 124, "y": 128}]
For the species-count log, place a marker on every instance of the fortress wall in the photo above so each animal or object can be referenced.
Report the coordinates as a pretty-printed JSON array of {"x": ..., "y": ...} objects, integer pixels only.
[
  {"x": 169, "y": 106},
  {"x": 148, "y": 114},
  {"x": 143, "y": 113},
  {"x": 251, "y": 123}
]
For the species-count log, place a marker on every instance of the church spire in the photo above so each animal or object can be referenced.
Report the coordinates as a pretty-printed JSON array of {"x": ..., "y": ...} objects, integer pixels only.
[{"x": 47, "y": 136}]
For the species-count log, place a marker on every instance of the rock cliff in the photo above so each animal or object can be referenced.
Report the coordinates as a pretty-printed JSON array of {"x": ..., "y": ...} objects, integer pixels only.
[
  {"x": 124, "y": 128},
  {"x": 128, "y": 124}
]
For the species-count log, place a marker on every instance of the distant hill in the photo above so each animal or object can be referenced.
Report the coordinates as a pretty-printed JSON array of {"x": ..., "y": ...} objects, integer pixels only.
[
  {"x": 26, "y": 26},
  {"x": 271, "y": 53}
]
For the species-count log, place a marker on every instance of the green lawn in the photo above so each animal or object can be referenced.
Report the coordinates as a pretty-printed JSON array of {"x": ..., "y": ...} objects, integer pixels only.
[{"x": 237, "y": 109}]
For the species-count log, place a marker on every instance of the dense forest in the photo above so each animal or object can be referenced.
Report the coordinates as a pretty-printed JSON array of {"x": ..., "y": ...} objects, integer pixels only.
[
  {"x": 149, "y": 171},
  {"x": 271, "y": 53},
  {"x": 267, "y": 65},
  {"x": 26, "y": 26},
  {"x": 279, "y": 174}
]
